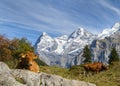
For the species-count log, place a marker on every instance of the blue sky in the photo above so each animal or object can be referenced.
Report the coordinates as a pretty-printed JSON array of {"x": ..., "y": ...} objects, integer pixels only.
[{"x": 29, "y": 18}]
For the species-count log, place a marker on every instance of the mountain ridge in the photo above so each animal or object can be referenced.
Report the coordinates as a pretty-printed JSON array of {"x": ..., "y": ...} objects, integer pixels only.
[
  {"x": 65, "y": 51},
  {"x": 101, "y": 47},
  {"x": 62, "y": 48},
  {"x": 109, "y": 31}
]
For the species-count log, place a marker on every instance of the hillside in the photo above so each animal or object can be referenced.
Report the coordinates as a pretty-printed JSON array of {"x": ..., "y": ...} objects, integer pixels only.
[
  {"x": 18, "y": 77},
  {"x": 10, "y": 50},
  {"x": 110, "y": 77}
]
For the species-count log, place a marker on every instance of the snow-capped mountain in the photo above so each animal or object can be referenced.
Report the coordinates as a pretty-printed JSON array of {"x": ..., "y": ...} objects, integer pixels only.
[
  {"x": 81, "y": 36},
  {"x": 102, "y": 46},
  {"x": 66, "y": 50},
  {"x": 109, "y": 32},
  {"x": 49, "y": 44},
  {"x": 61, "y": 43},
  {"x": 61, "y": 50}
]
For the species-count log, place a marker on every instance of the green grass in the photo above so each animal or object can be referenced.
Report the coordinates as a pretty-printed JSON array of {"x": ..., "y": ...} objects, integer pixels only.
[
  {"x": 110, "y": 77},
  {"x": 20, "y": 80},
  {"x": 12, "y": 63},
  {"x": 54, "y": 70}
]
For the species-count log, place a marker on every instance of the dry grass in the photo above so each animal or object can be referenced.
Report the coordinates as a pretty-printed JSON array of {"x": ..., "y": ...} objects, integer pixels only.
[{"x": 110, "y": 77}]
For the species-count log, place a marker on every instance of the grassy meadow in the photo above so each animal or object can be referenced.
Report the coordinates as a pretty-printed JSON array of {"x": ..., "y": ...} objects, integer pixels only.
[{"x": 110, "y": 77}]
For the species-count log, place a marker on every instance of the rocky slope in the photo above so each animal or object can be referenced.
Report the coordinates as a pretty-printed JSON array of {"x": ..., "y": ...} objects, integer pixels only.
[
  {"x": 65, "y": 51},
  {"x": 17, "y": 77},
  {"x": 101, "y": 47},
  {"x": 61, "y": 50}
]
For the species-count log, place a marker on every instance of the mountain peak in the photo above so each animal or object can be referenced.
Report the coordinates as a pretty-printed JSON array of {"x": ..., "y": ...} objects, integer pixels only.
[
  {"x": 80, "y": 31},
  {"x": 108, "y": 32},
  {"x": 44, "y": 34},
  {"x": 43, "y": 37},
  {"x": 116, "y": 26}
]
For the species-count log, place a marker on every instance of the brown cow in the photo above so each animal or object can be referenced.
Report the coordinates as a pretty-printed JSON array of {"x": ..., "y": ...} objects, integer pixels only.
[
  {"x": 33, "y": 66},
  {"x": 27, "y": 62},
  {"x": 23, "y": 63},
  {"x": 94, "y": 67}
]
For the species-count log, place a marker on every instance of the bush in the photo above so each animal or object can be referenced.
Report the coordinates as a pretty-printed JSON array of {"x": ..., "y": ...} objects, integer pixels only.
[
  {"x": 5, "y": 52},
  {"x": 10, "y": 49},
  {"x": 39, "y": 62}
]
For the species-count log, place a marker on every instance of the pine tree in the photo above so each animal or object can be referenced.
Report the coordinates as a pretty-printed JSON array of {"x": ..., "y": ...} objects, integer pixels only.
[
  {"x": 113, "y": 56},
  {"x": 86, "y": 54}
]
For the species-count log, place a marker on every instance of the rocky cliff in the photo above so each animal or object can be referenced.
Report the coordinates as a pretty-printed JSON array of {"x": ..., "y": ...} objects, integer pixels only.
[
  {"x": 101, "y": 49},
  {"x": 17, "y": 77},
  {"x": 102, "y": 46}
]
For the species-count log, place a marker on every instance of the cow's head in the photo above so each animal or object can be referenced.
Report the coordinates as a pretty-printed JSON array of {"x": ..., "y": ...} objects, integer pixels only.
[
  {"x": 31, "y": 56},
  {"x": 105, "y": 67}
]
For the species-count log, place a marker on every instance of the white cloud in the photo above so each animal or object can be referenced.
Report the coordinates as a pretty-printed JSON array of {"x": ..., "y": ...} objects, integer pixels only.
[
  {"x": 38, "y": 16},
  {"x": 106, "y": 4}
]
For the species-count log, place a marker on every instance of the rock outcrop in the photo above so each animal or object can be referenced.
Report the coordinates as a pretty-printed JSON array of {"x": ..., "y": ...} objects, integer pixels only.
[
  {"x": 101, "y": 49},
  {"x": 6, "y": 78},
  {"x": 18, "y": 77}
]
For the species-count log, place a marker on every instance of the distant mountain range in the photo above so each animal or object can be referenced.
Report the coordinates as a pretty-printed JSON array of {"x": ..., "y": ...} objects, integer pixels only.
[{"x": 66, "y": 50}]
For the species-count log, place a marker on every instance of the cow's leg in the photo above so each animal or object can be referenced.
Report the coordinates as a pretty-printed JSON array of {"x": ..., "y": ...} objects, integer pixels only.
[
  {"x": 92, "y": 72},
  {"x": 86, "y": 73},
  {"x": 97, "y": 71}
]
